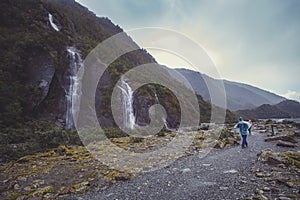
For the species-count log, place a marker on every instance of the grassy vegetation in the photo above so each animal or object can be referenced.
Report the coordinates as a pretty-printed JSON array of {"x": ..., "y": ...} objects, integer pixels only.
[{"x": 32, "y": 137}]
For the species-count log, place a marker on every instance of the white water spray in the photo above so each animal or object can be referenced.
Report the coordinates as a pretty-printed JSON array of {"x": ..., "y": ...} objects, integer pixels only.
[
  {"x": 163, "y": 118},
  {"x": 74, "y": 92},
  {"x": 127, "y": 101},
  {"x": 53, "y": 25}
]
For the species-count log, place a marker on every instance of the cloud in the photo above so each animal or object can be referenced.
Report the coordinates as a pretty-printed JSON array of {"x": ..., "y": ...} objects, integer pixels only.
[
  {"x": 292, "y": 95},
  {"x": 258, "y": 37}
]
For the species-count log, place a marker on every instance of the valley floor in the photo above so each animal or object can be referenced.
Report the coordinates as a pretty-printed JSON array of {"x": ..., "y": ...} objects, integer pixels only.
[{"x": 232, "y": 173}]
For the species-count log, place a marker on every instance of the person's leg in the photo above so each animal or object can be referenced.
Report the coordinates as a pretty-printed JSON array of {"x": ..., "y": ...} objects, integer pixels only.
[
  {"x": 249, "y": 131},
  {"x": 243, "y": 141},
  {"x": 246, "y": 143}
]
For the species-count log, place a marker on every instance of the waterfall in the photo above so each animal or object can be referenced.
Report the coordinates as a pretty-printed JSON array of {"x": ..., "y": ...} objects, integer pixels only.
[
  {"x": 156, "y": 98},
  {"x": 73, "y": 93},
  {"x": 53, "y": 25},
  {"x": 164, "y": 119},
  {"x": 127, "y": 101},
  {"x": 166, "y": 124}
]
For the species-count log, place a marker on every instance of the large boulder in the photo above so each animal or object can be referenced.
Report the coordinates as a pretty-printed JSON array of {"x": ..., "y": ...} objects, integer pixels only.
[
  {"x": 276, "y": 158},
  {"x": 282, "y": 138},
  {"x": 286, "y": 144}
]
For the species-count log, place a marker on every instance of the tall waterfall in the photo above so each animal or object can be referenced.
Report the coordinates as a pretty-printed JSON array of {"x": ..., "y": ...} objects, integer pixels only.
[
  {"x": 164, "y": 119},
  {"x": 127, "y": 101},
  {"x": 73, "y": 93}
]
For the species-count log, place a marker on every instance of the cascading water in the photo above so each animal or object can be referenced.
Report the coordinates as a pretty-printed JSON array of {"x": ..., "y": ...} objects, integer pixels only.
[
  {"x": 127, "y": 101},
  {"x": 53, "y": 25},
  {"x": 73, "y": 94},
  {"x": 164, "y": 119}
]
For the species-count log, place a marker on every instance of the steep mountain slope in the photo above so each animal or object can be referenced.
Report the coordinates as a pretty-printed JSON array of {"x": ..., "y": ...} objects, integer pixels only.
[
  {"x": 284, "y": 109},
  {"x": 34, "y": 71},
  {"x": 290, "y": 106},
  {"x": 43, "y": 44},
  {"x": 265, "y": 95},
  {"x": 265, "y": 111},
  {"x": 239, "y": 95}
]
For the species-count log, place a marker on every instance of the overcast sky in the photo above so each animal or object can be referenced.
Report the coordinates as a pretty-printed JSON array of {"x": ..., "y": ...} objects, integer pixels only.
[{"x": 259, "y": 37}]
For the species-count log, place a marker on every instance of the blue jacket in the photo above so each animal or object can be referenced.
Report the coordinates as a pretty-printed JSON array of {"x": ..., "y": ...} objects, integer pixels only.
[{"x": 243, "y": 127}]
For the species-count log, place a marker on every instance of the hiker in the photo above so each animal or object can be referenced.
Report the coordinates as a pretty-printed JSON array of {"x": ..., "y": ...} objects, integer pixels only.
[
  {"x": 272, "y": 129},
  {"x": 244, "y": 131},
  {"x": 251, "y": 125}
]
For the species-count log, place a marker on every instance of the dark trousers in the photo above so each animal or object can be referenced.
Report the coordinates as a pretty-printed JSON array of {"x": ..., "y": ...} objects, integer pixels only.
[{"x": 244, "y": 141}]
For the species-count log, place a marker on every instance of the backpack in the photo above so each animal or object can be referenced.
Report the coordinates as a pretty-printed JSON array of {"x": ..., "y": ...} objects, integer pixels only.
[{"x": 243, "y": 128}]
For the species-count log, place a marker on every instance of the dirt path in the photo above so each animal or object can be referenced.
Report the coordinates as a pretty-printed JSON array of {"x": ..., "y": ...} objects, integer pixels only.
[{"x": 222, "y": 174}]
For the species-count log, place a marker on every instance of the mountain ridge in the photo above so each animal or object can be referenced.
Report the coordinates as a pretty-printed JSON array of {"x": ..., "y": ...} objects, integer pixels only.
[
  {"x": 284, "y": 109},
  {"x": 239, "y": 95}
]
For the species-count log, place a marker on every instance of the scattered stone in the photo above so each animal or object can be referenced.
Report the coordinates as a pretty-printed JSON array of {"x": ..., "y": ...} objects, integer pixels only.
[
  {"x": 260, "y": 174},
  {"x": 223, "y": 188},
  {"x": 286, "y": 182},
  {"x": 28, "y": 188},
  {"x": 281, "y": 165},
  {"x": 122, "y": 177},
  {"x": 286, "y": 144},
  {"x": 266, "y": 189},
  {"x": 38, "y": 183},
  {"x": 231, "y": 171},
  {"x": 297, "y": 133},
  {"x": 17, "y": 186},
  {"x": 186, "y": 170},
  {"x": 284, "y": 198},
  {"x": 66, "y": 190},
  {"x": 219, "y": 145},
  {"x": 175, "y": 169},
  {"x": 206, "y": 165},
  {"x": 61, "y": 150},
  {"x": 22, "y": 178},
  {"x": 264, "y": 197},
  {"x": 260, "y": 191},
  {"x": 136, "y": 139},
  {"x": 262, "y": 131},
  {"x": 291, "y": 184},
  {"x": 81, "y": 187},
  {"x": 49, "y": 196},
  {"x": 5, "y": 181},
  {"x": 40, "y": 192},
  {"x": 21, "y": 198},
  {"x": 275, "y": 190},
  {"x": 242, "y": 188},
  {"x": 270, "y": 135}
]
